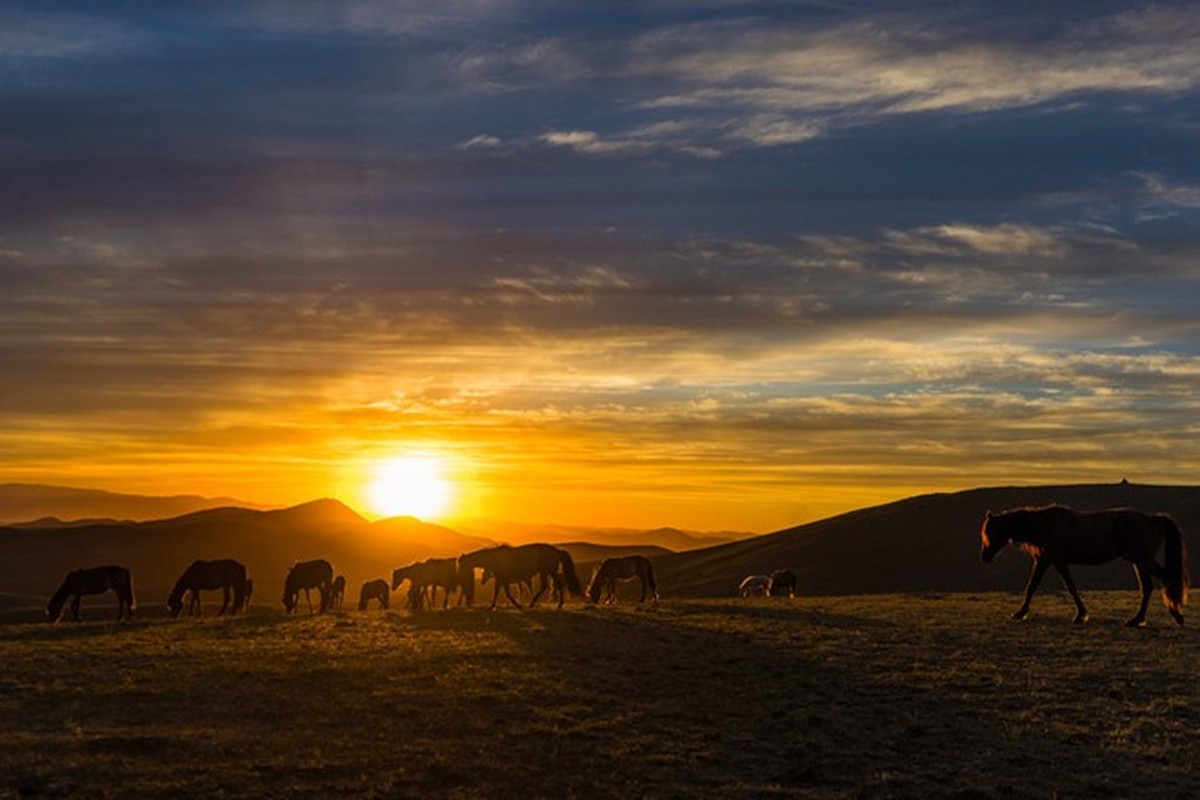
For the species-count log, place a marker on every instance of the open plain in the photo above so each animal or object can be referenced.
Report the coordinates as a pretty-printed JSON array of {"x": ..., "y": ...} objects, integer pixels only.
[{"x": 870, "y": 696}]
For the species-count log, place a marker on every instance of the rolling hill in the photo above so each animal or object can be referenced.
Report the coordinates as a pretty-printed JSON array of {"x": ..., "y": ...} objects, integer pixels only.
[
  {"x": 923, "y": 544},
  {"x": 928, "y": 543},
  {"x": 25, "y": 502},
  {"x": 34, "y": 558}
]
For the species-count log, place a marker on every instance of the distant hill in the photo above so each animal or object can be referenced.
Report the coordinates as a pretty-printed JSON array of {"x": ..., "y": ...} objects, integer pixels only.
[
  {"x": 928, "y": 543},
  {"x": 34, "y": 558},
  {"x": 25, "y": 502},
  {"x": 668, "y": 538}
]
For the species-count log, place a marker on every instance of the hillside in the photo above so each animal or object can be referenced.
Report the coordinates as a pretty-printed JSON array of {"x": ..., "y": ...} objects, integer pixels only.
[
  {"x": 34, "y": 559},
  {"x": 928, "y": 543}
]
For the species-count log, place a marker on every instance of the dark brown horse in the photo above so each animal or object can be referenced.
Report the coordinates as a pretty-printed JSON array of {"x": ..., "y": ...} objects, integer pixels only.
[
  {"x": 337, "y": 592},
  {"x": 374, "y": 590},
  {"x": 626, "y": 568},
  {"x": 95, "y": 580},
  {"x": 224, "y": 573},
  {"x": 306, "y": 575},
  {"x": 1056, "y": 536},
  {"x": 512, "y": 565},
  {"x": 783, "y": 583},
  {"x": 428, "y": 576}
]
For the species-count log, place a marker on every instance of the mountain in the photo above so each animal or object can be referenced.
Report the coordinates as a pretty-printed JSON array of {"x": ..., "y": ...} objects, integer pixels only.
[
  {"x": 21, "y": 502},
  {"x": 928, "y": 543},
  {"x": 669, "y": 538},
  {"x": 33, "y": 558}
]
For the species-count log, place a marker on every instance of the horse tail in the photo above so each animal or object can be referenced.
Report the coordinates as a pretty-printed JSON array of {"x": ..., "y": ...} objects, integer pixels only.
[
  {"x": 1175, "y": 587},
  {"x": 239, "y": 590},
  {"x": 568, "y": 568},
  {"x": 650, "y": 581},
  {"x": 128, "y": 588},
  {"x": 593, "y": 589}
]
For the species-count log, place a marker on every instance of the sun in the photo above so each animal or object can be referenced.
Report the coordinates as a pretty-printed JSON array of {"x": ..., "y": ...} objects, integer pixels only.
[{"x": 415, "y": 486}]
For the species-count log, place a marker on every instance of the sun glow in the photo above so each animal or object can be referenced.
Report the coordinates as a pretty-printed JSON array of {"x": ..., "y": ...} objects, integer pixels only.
[{"x": 411, "y": 486}]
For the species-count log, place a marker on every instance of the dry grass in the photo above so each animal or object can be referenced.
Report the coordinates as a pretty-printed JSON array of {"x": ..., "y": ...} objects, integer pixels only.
[{"x": 881, "y": 696}]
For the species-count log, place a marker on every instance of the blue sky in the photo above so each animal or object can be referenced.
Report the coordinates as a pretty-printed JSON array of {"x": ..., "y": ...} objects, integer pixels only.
[{"x": 733, "y": 261}]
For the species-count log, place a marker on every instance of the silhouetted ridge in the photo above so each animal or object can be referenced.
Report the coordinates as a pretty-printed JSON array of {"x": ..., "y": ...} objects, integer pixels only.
[{"x": 324, "y": 511}]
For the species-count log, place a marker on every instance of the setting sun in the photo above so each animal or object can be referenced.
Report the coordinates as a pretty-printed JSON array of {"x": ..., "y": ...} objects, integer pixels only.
[{"x": 411, "y": 486}]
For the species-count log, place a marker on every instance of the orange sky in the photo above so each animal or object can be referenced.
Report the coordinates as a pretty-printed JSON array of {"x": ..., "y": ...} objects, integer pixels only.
[{"x": 711, "y": 265}]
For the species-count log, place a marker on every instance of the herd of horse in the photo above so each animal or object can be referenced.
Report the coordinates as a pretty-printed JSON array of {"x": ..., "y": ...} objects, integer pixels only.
[
  {"x": 1053, "y": 536},
  {"x": 550, "y": 567}
]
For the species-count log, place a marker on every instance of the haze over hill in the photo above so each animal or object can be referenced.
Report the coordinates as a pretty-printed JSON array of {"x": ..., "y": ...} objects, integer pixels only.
[{"x": 27, "y": 502}]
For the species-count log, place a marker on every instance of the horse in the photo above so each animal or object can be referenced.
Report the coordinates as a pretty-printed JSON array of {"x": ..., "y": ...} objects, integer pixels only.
[
  {"x": 625, "y": 568},
  {"x": 783, "y": 583},
  {"x": 224, "y": 574},
  {"x": 1057, "y": 536},
  {"x": 95, "y": 580},
  {"x": 514, "y": 564},
  {"x": 306, "y": 575},
  {"x": 337, "y": 592},
  {"x": 374, "y": 590},
  {"x": 430, "y": 574},
  {"x": 755, "y": 586}
]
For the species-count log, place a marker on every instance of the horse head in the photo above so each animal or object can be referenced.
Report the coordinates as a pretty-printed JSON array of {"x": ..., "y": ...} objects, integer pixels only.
[
  {"x": 398, "y": 576},
  {"x": 992, "y": 539},
  {"x": 175, "y": 604}
]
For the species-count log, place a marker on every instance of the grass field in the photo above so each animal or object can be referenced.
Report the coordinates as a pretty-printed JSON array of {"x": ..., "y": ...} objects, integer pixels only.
[{"x": 879, "y": 696}]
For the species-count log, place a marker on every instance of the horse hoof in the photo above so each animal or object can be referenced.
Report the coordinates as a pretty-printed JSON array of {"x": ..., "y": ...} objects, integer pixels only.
[
  {"x": 1135, "y": 623},
  {"x": 1080, "y": 619},
  {"x": 1019, "y": 616}
]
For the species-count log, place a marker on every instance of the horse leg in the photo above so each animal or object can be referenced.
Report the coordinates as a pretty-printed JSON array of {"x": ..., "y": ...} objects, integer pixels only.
[
  {"x": 1146, "y": 584},
  {"x": 1081, "y": 615},
  {"x": 225, "y": 600},
  {"x": 1035, "y": 578},
  {"x": 511, "y": 599},
  {"x": 308, "y": 598},
  {"x": 533, "y": 601},
  {"x": 75, "y": 608}
]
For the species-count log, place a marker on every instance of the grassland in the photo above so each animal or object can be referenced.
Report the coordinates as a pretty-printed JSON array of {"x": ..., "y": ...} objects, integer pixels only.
[{"x": 879, "y": 696}]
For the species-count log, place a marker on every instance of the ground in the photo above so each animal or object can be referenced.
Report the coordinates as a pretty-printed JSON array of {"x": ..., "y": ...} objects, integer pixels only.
[{"x": 875, "y": 696}]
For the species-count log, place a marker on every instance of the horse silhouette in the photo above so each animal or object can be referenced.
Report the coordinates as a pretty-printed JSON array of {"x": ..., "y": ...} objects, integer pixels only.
[
  {"x": 783, "y": 583},
  {"x": 755, "y": 586},
  {"x": 428, "y": 576},
  {"x": 94, "y": 580},
  {"x": 625, "y": 568},
  {"x": 513, "y": 564},
  {"x": 374, "y": 590},
  {"x": 225, "y": 574},
  {"x": 1057, "y": 536},
  {"x": 306, "y": 575},
  {"x": 337, "y": 592}
]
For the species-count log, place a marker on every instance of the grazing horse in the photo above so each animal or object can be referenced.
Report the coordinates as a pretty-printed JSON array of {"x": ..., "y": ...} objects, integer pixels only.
[
  {"x": 374, "y": 590},
  {"x": 512, "y": 565},
  {"x": 306, "y": 575},
  {"x": 96, "y": 580},
  {"x": 755, "y": 586},
  {"x": 783, "y": 583},
  {"x": 429, "y": 574},
  {"x": 625, "y": 568},
  {"x": 224, "y": 574},
  {"x": 337, "y": 592},
  {"x": 1056, "y": 536}
]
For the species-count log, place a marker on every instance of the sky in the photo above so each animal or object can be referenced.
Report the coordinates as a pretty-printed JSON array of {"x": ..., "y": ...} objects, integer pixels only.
[{"x": 717, "y": 265}]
